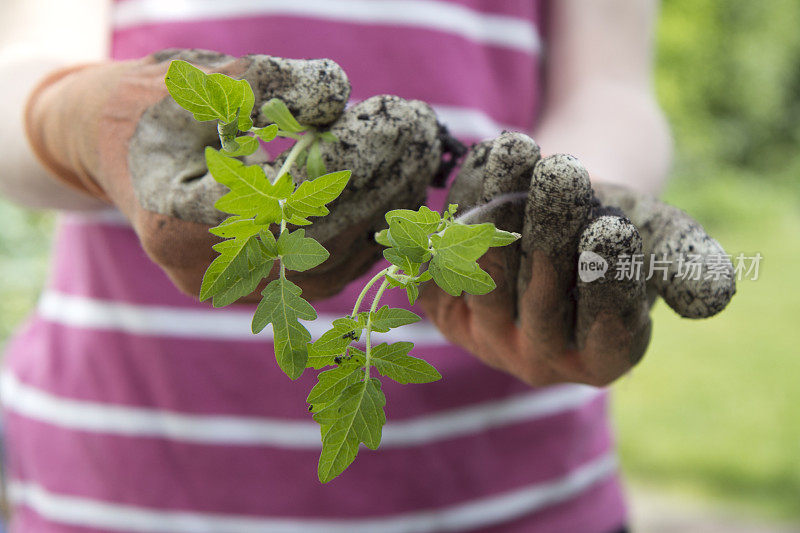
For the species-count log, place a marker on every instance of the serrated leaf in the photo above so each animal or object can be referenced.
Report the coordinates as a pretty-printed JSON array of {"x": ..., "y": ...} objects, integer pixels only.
[
  {"x": 300, "y": 253},
  {"x": 467, "y": 277},
  {"x": 393, "y": 361},
  {"x": 251, "y": 194},
  {"x": 386, "y": 318},
  {"x": 269, "y": 242},
  {"x": 236, "y": 272},
  {"x": 409, "y": 230},
  {"x": 356, "y": 416},
  {"x": 283, "y": 307},
  {"x": 412, "y": 291},
  {"x": 503, "y": 238},
  {"x": 425, "y": 218},
  {"x": 210, "y": 96},
  {"x": 276, "y": 111},
  {"x": 332, "y": 382},
  {"x": 236, "y": 227},
  {"x": 402, "y": 261},
  {"x": 333, "y": 342},
  {"x": 461, "y": 244},
  {"x": 267, "y": 133},
  {"x": 311, "y": 195},
  {"x": 382, "y": 237},
  {"x": 289, "y": 135},
  {"x": 315, "y": 166},
  {"x": 328, "y": 137},
  {"x": 246, "y": 145}
]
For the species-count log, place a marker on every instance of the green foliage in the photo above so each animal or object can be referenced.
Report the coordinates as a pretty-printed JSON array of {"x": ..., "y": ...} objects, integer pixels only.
[
  {"x": 346, "y": 401},
  {"x": 283, "y": 306},
  {"x": 210, "y": 96},
  {"x": 728, "y": 76}
]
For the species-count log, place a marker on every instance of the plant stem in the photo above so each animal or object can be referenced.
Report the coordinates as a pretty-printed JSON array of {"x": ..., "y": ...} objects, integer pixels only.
[
  {"x": 304, "y": 142},
  {"x": 368, "y": 328},
  {"x": 366, "y": 288}
]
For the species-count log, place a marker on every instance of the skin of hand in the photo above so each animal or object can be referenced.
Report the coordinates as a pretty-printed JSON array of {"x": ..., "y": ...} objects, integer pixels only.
[
  {"x": 543, "y": 323},
  {"x": 112, "y": 130},
  {"x": 598, "y": 104}
]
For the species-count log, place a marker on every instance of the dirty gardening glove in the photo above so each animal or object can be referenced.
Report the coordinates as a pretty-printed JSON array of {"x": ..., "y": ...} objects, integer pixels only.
[
  {"x": 113, "y": 131},
  {"x": 544, "y": 323}
]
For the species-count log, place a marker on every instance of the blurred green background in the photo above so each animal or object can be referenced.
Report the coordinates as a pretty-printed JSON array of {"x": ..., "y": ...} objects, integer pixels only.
[{"x": 714, "y": 409}]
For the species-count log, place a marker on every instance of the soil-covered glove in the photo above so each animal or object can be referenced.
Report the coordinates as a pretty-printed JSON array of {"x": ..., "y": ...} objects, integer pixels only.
[
  {"x": 113, "y": 131},
  {"x": 544, "y": 322}
]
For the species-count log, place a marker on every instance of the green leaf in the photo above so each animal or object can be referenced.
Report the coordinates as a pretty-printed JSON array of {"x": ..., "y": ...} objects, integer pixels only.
[
  {"x": 356, "y": 416},
  {"x": 315, "y": 166},
  {"x": 251, "y": 194},
  {"x": 300, "y": 253},
  {"x": 289, "y": 135},
  {"x": 393, "y": 361},
  {"x": 503, "y": 238},
  {"x": 409, "y": 230},
  {"x": 332, "y": 382},
  {"x": 210, "y": 96},
  {"x": 382, "y": 237},
  {"x": 333, "y": 342},
  {"x": 387, "y": 318},
  {"x": 267, "y": 133},
  {"x": 283, "y": 307},
  {"x": 328, "y": 137},
  {"x": 311, "y": 196},
  {"x": 236, "y": 272},
  {"x": 236, "y": 227},
  {"x": 461, "y": 244},
  {"x": 402, "y": 261},
  {"x": 467, "y": 277},
  {"x": 246, "y": 145},
  {"x": 425, "y": 218},
  {"x": 276, "y": 111},
  {"x": 412, "y": 291}
]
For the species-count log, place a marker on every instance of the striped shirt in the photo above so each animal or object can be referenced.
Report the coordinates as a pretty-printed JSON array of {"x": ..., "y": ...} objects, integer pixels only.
[{"x": 130, "y": 407}]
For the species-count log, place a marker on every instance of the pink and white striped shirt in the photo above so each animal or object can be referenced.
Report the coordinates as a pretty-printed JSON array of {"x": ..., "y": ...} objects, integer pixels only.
[{"x": 132, "y": 408}]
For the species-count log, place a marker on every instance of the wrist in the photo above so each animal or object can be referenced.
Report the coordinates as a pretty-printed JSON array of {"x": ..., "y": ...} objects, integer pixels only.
[{"x": 60, "y": 126}]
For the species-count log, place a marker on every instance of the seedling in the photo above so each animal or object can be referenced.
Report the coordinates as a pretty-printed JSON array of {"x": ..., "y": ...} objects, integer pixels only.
[{"x": 421, "y": 245}]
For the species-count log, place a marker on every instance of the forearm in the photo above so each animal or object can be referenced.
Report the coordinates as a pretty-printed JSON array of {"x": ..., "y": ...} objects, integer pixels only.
[
  {"x": 37, "y": 37},
  {"x": 617, "y": 131},
  {"x": 23, "y": 178}
]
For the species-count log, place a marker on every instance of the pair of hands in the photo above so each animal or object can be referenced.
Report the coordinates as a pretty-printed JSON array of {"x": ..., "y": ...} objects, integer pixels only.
[{"x": 112, "y": 130}]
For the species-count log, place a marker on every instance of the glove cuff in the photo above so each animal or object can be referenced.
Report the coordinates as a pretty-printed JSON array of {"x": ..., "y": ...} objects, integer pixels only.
[{"x": 52, "y": 135}]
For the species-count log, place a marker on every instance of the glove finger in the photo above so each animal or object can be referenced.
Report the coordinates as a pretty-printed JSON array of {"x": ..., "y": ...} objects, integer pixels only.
[
  {"x": 496, "y": 180},
  {"x": 392, "y": 148},
  {"x": 166, "y": 158},
  {"x": 316, "y": 91},
  {"x": 690, "y": 269},
  {"x": 559, "y": 205},
  {"x": 612, "y": 324}
]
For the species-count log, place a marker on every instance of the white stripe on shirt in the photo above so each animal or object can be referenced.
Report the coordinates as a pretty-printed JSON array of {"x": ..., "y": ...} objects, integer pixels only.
[
  {"x": 81, "y": 415},
  {"x": 474, "y": 514},
  {"x": 222, "y": 324},
  {"x": 487, "y": 28}
]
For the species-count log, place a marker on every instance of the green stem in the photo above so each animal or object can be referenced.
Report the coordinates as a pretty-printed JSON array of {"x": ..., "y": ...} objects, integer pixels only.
[
  {"x": 366, "y": 288},
  {"x": 368, "y": 328},
  {"x": 304, "y": 142}
]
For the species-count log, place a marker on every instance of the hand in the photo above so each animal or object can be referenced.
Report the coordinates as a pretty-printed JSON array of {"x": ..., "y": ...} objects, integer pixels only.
[
  {"x": 112, "y": 130},
  {"x": 542, "y": 323}
]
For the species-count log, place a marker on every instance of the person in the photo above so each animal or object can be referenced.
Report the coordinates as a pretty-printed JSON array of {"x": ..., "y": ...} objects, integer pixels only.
[{"x": 129, "y": 406}]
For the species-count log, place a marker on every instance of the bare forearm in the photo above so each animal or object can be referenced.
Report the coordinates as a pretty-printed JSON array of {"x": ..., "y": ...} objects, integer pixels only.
[
  {"x": 37, "y": 37},
  {"x": 617, "y": 131},
  {"x": 23, "y": 179},
  {"x": 599, "y": 100}
]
